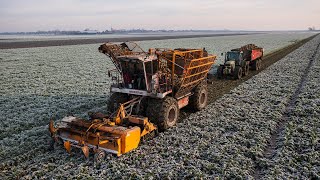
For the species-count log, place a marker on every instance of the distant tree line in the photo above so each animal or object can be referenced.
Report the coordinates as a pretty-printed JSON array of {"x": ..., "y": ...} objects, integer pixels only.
[{"x": 112, "y": 31}]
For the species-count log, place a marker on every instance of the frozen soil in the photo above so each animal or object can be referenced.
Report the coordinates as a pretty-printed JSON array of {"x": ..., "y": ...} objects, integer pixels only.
[
  {"x": 227, "y": 139},
  {"x": 40, "y": 83}
]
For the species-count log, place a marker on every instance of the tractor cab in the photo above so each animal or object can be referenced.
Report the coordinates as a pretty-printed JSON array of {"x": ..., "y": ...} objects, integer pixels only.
[
  {"x": 232, "y": 59},
  {"x": 234, "y": 56}
]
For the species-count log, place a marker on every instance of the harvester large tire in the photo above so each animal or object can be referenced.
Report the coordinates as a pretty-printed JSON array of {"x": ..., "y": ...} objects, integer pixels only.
[
  {"x": 237, "y": 72},
  {"x": 114, "y": 101},
  {"x": 220, "y": 72},
  {"x": 199, "y": 99},
  {"x": 163, "y": 112}
]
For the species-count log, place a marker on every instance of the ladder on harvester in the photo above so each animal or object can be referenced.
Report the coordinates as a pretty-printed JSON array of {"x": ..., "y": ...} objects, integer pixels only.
[{"x": 195, "y": 70}]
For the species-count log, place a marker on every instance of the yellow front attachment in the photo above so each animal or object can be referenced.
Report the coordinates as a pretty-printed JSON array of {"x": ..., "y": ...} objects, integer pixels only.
[
  {"x": 116, "y": 140},
  {"x": 130, "y": 140},
  {"x": 117, "y": 135}
]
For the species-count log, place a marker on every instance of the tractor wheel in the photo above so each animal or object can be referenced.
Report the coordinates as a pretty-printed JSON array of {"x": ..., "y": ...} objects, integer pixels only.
[
  {"x": 237, "y": 72},
  {"x": 220, "y": 72},
  {"x": 114, "y": 101},
  {"x": 163, "y": 112},
  {"x": 199, "y": 99}
]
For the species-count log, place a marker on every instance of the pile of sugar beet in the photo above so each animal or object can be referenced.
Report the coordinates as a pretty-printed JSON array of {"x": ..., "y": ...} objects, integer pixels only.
[{"x": 227, "y": 139}]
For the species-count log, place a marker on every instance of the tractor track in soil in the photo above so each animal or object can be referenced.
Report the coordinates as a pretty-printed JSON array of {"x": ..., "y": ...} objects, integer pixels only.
[
  {"x": 274, "y": 140},
  {"x": 218, "y": 87}
]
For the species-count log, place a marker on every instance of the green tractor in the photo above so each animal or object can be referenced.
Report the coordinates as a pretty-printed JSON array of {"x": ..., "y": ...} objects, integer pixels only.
[{"x": 238, "y": 61}]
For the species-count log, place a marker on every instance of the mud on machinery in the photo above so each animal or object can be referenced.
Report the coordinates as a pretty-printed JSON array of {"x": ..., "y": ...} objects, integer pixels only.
[{"x": 147, "y": 91}]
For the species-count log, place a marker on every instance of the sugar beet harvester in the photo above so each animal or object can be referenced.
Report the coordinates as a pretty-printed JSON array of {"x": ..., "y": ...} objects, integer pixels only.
[{"x": 147, "y": 91}]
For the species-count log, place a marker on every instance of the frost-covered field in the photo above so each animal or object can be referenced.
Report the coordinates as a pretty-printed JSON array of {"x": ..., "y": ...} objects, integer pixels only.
[
  {"x": 54, "y": 81},
  {"x": 218, "y": 45},
  {"x": 38, "y": 83},
  {"x": 81, "y": 69},
  {"x": 226, "y": 139},
  {"x": 298, "y": 153}
]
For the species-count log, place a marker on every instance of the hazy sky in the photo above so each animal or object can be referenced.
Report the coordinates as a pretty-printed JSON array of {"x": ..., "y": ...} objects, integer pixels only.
[{"x": 32, "y": 15}]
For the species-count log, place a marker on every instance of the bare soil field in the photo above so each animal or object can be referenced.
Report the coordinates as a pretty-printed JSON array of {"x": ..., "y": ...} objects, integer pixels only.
[{"x": 46, "y": 43}]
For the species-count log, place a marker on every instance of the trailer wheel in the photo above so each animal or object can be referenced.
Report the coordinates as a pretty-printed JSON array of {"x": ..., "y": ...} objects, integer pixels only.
[
  {"x": 220, "y": 72},
  {"x": 237, "y": 72},
  {"x": 256, "y": 65},
  {"x": 246, "y": 69},
  {"x": 199, "y": 99},
  {"x": 163, "y": 112},
  {"x": 114, "y": 101},
  {"x": 259, "y": 63}
]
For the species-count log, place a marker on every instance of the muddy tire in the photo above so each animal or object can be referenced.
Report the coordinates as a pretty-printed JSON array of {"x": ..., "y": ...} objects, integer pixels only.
[
  {"x": 259, "y": 63},
  {"x": 163, "y": 112},
  {"x": 220, "y": 72},
  {"x": 256, "y": 64},
  {"x": 246, "y": 69},
  {"x": 237, "y": 72},
  {"x": 199, "y": 99},
  {"x": 115, "y": 100}
]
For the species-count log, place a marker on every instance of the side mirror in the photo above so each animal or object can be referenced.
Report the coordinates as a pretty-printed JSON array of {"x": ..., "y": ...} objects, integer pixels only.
[
  {"x": 109, "y": 73},
  {"x": 221, "y": 54}
]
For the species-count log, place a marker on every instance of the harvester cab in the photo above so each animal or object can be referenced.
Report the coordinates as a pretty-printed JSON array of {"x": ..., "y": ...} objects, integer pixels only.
[{"x": 137, "y": 72}]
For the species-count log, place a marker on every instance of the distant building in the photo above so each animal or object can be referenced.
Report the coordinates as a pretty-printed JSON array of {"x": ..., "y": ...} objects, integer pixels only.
[
  {"x": 88, "y": 31},
  {"x": 312, "y": 28}
]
